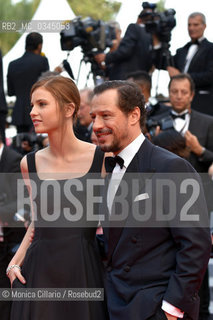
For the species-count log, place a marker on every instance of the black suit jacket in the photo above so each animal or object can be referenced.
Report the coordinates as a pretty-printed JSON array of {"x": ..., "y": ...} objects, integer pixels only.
[
  {"x": 3, "y": 105},
  {"x": 9, "y": 172},
  {"x": 201, "y": 125},
  {"x": 22, "y": 74},
  {"x": 133, "y": 53},
  {"x": 201, "y": 71},
  {"x": 149, "y": 264}
]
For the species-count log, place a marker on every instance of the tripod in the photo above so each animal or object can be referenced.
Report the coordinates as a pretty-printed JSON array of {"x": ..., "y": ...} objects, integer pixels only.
[
  {"x": 164, "y": 59},
  {"x": 97, "y": 73}
]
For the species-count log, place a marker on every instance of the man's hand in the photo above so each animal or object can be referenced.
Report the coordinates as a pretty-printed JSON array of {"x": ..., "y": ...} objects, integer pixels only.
[
  {"x": 100, "y": 57},
  {"x": 193, "y": 143},
  {"x": 172, "y": 71}
]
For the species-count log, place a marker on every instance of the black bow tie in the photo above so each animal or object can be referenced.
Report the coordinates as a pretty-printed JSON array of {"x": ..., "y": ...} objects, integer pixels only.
[
  {"x": 193, "y": 42},
  {"x": 180, "y": 116},
  {"x": 110, "y": 163}
]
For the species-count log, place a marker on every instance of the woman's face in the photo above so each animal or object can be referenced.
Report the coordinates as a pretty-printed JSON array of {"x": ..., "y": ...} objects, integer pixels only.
[{"x": 45, "y": 113}]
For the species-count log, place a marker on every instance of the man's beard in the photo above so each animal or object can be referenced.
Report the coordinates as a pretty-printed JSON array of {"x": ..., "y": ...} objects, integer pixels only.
[{"x": 115, "y": 146}]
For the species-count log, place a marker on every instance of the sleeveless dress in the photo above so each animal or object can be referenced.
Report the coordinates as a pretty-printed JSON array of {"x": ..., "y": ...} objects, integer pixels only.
[{"x": 61, "y": 257}]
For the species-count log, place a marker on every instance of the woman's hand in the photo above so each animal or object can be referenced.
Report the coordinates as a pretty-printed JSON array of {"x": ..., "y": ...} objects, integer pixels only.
[
  {"x": 32, "y": 235},
  {"x": 14, "y": 271}
]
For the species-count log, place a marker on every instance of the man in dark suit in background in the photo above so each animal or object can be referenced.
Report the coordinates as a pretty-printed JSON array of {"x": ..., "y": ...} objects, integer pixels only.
[
  {"x": 196, "y": 127},
  {"x": 196, "y": 58},
  {"x": 83, "y": 127},
  {"x": 152, "y": 272},
  {"x": 144, "y": 80},
  {"x": 10, "y": 236},
  {"x": 133, "y": 53},
  {"x": 22, "y": 74},
  {"x": 3, "y": 104}
]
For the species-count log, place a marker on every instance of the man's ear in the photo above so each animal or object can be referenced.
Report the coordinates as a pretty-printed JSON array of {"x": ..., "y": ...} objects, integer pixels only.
[
  {"x": 135, "y": 115},
  {"x": 39, "y": 48},
  {"x": 69, "y": 110},
  {"x": 192, "y": 96}
]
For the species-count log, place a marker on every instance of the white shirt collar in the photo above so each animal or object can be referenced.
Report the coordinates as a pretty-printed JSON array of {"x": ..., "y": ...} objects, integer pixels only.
[
  {"x": 128, "y": 153},
  {"x": 90, "y": 126},
  {"x": 1, "y": 150},
  {"x": 201, "y": 39}
]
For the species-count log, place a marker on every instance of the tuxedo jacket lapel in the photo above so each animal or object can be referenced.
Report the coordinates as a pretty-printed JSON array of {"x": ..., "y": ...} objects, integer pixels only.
[
  {"x": 198, "y": 55},
  {"x": 3, "y": 160},
  {"x": 194, "y": 123}
]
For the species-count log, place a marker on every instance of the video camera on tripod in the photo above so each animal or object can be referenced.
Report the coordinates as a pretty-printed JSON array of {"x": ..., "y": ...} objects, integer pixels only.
[
  {"x": 160, "y": 24},
  {"x": 94, "y": 36}
]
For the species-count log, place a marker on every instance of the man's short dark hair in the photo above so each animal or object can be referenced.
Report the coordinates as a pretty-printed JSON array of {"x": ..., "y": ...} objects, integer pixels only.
[
  {"x": 140, "y": 77},
  {"x": 183, "y": 76},
  {"x": 129, "y": 96},
  {"x": 33, "y": 39}
]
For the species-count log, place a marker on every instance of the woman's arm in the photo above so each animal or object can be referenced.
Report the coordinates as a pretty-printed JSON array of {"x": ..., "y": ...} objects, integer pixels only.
[
  {"x": 14, "y": 267},
  {"x": 13, "y": 270}
]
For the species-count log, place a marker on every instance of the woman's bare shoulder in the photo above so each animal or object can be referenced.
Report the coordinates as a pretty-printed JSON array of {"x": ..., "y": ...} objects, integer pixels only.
[{"x": 23, "y": 164}]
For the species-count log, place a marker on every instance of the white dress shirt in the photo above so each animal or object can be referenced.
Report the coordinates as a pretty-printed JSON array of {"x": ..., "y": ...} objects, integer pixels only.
[
  {"x": 127, "y": 155},
  {"x": 191, "y": 52},
  {"x": 181, "y": 125},
  {"x": 1, "y": 149}
]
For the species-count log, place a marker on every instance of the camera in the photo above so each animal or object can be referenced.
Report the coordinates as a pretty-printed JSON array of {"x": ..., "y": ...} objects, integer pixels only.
[
  {"x": 165, "y": 123},
  {"x": 88, "y": 33},
  {"x": 94, "y": 36},
  {"x": 159, "y": 23}
]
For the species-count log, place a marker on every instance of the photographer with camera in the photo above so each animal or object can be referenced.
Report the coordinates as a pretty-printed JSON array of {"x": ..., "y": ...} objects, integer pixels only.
[
  {"x": 145, "y": 44},
  {"x": 196, "y": 58},
  {"x": 133, "y": 53}
]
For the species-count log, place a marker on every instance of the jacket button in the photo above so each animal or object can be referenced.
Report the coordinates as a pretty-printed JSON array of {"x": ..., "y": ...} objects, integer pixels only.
[
  {"x": 109, "y": 269},
  {"x": 127, "y": 268},
  {"x": 134, "y": 239}
]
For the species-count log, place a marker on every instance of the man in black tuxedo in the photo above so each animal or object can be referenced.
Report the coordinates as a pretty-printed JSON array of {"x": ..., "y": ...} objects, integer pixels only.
[
  {"x": 3, "y": 104},
  {"x": 196, "y": 127},
  {"x": 10, "y": 236},
  {"x": 153, "y": 271},
  {"x": 196, "y": 58},
  {"x": 22, "y": 74}
]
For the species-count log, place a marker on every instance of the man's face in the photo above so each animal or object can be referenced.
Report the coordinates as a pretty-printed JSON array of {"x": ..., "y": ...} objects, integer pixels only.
[
  {"x": 180, "y": 95},
  {"x": 84, "y": 110},
  {"x": 196, "y": 28},
  {"x": 111, "y": 126}
]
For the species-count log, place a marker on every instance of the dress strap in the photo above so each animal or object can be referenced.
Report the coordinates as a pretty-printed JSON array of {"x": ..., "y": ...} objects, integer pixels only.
[
  {"x": 31, "y": 162},
  {"x": 97, "y": 160}
]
